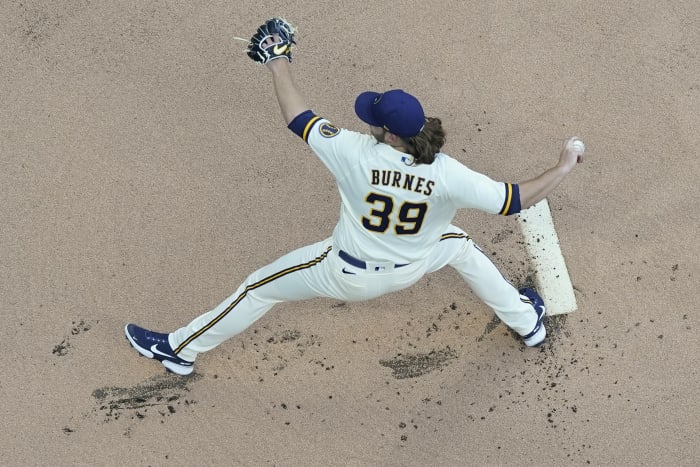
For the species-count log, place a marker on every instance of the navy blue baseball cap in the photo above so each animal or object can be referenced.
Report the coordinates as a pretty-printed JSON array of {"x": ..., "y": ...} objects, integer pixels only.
[{"x": 396, "y": 111}]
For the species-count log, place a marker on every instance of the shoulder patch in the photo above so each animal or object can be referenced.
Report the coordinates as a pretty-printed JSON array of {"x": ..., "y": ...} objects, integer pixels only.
[{"x": 328, "y": 130}]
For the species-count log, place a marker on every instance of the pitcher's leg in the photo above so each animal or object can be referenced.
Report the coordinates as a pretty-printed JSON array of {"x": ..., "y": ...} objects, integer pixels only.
[
  {"x": 286, "y": 279},
  {"x": 492, "y": 288},
  {"x": 456, "y": 249}
]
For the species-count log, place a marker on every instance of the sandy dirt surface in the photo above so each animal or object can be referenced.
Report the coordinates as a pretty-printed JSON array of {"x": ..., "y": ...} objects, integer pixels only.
[{"x": 145, "y": 171}]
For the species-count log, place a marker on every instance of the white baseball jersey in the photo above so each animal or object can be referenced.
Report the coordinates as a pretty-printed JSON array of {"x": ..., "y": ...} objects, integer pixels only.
[{"x": 391, "y": 209}]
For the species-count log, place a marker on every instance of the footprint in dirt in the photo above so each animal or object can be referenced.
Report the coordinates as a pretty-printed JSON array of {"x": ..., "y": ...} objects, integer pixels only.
[
  {"x": 78, "y": 327},
  {"x": 162, "y": 395},
  {"x": 415, "y": 365}
]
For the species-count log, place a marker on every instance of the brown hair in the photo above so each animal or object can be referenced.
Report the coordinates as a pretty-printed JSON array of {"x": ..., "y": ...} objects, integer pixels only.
[{"x": 428, "y": 142}]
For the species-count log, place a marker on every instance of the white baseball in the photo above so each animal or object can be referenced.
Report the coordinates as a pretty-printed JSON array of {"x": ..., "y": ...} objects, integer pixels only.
[{"x": 578, "y": 145}]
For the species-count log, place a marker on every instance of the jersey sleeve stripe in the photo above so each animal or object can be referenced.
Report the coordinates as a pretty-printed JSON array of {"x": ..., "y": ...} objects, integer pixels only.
[
  {"x": 302, "y": 124},
  {"x": 305, "y": 135},
  {"x": 512, "y": 202},
  {"x": 509, "y": 198}
]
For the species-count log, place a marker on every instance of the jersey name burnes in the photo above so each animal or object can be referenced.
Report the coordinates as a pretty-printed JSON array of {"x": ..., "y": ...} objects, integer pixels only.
[{"x": 398, "y": 179}]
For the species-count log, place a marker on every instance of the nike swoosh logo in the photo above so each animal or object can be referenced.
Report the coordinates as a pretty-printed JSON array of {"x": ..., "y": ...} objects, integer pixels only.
[
  {"x": 154, "y": 349},
  {"x": 277, "y": 50},
  {"x": 348, "y": 272}
]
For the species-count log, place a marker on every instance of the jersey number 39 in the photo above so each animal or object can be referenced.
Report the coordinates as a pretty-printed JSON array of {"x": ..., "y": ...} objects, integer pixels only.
[{"x": 410, "y": 215}]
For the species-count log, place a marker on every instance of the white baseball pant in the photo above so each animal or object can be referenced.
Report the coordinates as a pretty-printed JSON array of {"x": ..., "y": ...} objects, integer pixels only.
[{"x": 318, "y": 271}]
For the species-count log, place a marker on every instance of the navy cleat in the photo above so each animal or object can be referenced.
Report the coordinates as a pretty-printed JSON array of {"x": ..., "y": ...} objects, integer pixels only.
[
  {"x": 536, "y": 337},
  {"x": 155, "y": 345}
]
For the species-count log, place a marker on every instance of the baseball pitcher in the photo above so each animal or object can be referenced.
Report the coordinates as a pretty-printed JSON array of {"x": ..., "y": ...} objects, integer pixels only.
[{"x": 399, "y": 194}]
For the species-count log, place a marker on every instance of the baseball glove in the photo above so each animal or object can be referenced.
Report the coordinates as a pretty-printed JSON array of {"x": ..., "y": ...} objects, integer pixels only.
[{"x": 273, "y": 40}]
